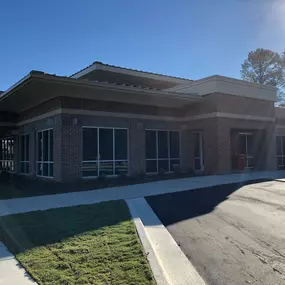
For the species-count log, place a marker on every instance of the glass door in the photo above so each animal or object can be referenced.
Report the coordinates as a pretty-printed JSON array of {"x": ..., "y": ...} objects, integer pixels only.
[
  {"x": 106, "y": 153},
  {"x": 246, "y": 149}
]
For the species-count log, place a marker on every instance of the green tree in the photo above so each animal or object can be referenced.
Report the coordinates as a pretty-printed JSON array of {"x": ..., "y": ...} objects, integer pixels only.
[{"x": 264, "y": 66}]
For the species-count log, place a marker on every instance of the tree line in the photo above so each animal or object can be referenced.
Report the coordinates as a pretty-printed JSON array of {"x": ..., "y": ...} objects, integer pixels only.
[{"x": 266, "y": 67}]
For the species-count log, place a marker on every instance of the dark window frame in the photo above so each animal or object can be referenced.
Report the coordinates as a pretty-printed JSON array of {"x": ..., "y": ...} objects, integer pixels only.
[
  {"x": 170, "y": 160},
  {"x": 45, "y": 162},
  {"x": 108, "y": 167},
  {"x": 24, "y": 155},
  {"x": 7, "y": 149},
  {"x": 282, "y": 155}
]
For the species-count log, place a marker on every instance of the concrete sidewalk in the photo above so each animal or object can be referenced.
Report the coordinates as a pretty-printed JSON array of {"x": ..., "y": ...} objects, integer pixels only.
[
  {"x": 11, "y": 272},
  {"x": 22, "y": 205}
]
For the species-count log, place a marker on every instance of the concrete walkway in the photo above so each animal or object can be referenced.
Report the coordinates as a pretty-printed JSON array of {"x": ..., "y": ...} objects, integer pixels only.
[
  {"x": 22, "y": 205},
  {"x": 11, "y": 272}
]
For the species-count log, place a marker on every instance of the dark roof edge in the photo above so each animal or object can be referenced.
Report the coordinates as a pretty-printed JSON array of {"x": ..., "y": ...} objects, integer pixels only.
[
  {"x": 129, "y": 69},
  {"x": 39, "y": 75}
]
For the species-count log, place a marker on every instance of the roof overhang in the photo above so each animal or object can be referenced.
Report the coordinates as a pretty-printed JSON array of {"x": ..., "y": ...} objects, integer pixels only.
[
  {"x": 227, "y": 85},
  {"x": 127, "y": 71},
  {"x": 39, "y": 87}
]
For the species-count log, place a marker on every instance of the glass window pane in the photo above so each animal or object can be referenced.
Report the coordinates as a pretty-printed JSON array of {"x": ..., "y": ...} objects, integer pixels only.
[
  {"x": 121, "y": 167},
  {"x": 23, "y": 168},
  {"x": 106, "y": 144},
  {"x": 250, "y": 162},
  {"x": 90, "y": 169},
  {"x": 174, "y": 144},
  {"x": 196, "y": 138},
  {"x": 39, "y": 141},
  {"x": 151, "y": 166},
  {"x": 163, "y": 165},
  {"x": 45, "y": 145},
  {"x": 283, "y": 143},
  {"x": 197, "y": 164},
  {"x": 12, "y": 149},
  {"x": 51, "y": 145},
  {"x": 162, "y": 144},
  {"x": 40, "y": 169},
  {"x": 106, "y": 168},
  {"x": 90, "y": 144},
  {"x": 45, "y": 169},
  {"x": 22, "y": 145},
  {"x": 51, "y": 169},
  {"x": 174, "y": 164},
  {"x": 279, "y": 145},
  {"x": 27, "y": 150},
  {"x": 1, "y": 150},
  {"x": 150, "y": 144},
  {"x": 242, "y": 144},
  {"x": 121, "y": 144},
  {"x": 250, "y": 145}
]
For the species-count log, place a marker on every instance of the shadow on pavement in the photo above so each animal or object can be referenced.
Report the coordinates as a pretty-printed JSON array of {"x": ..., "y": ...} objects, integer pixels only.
[{"x": 175, "y": 207}]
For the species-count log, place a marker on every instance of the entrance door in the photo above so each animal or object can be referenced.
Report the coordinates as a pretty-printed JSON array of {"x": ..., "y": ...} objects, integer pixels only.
[
  {"x": 246, "y": 150},
  {"x": 198, "y": 152}
]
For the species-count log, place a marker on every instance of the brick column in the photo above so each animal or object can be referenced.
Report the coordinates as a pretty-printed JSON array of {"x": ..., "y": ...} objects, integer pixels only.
[
  {"x": 136, "y": 147},
  {"x": 71, "y": 148},
  {"x": 217, "y": 147},
  {"x": 270, "y": 143},
  {"x": 57, "y": 152}
]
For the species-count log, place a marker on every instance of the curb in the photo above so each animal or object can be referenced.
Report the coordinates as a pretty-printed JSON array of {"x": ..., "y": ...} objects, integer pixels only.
[
  {"x": 150, "y": 254},
  {"x": 169, "y": 264}
]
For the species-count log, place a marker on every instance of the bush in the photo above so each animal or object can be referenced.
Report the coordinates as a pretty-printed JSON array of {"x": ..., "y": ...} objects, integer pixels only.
[{"x": 5, "y": 176}]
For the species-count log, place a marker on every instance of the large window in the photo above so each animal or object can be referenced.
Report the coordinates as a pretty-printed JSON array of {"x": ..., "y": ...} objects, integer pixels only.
[
  {"x": 25, "y": 154},
  {"x": 162, "y": 151},
  {"x": 45, "y": 153},
  {"x": 280, "y": 149},
  {"x": 7, "y": 154},
  {"x": 105, "y": 151}
]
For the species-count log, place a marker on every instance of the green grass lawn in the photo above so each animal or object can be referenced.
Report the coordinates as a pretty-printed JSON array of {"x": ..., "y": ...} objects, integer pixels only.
[{"x": 90, "y": 244}]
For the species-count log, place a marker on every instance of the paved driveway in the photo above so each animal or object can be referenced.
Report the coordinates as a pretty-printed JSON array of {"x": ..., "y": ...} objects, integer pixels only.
[{"x": 232, "y": 234}]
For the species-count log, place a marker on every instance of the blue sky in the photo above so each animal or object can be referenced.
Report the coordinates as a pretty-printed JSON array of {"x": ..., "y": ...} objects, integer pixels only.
[{"x": 187, "y": 38}]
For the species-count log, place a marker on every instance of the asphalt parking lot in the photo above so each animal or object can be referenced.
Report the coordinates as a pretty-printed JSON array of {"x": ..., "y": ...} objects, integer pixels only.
[{"x": 232, "y": 234}]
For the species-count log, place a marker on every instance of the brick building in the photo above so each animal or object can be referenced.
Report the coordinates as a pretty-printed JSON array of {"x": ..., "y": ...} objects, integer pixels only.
[{"x": 108, "y": 120}]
